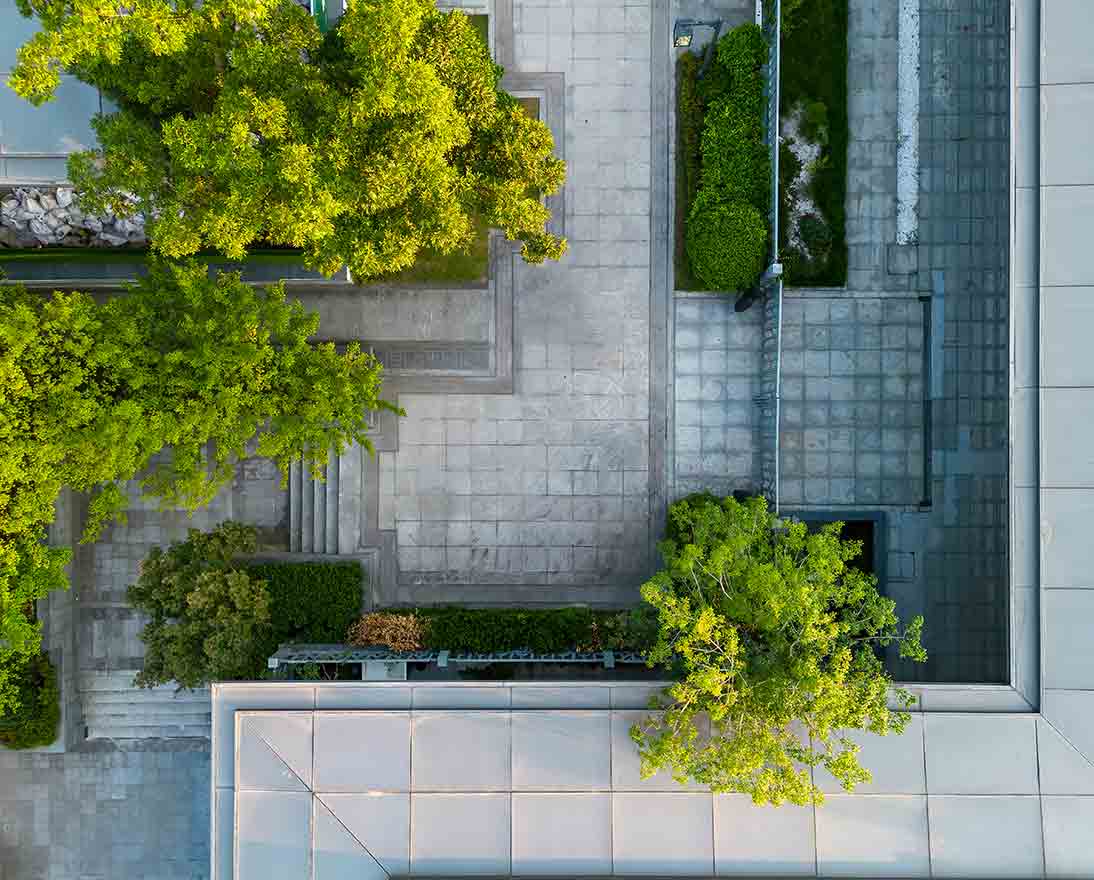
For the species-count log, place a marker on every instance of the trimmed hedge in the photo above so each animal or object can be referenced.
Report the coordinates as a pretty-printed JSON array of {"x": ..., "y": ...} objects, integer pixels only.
[
  {"x": 689, "y": 168},
  {"x": 727, "y": 242},
  {"x": 310, "y": 601},
  {"x": 544, "y": 631},
  {"x": 34, "y": 721},
  {"x": 725, "y": 245}
]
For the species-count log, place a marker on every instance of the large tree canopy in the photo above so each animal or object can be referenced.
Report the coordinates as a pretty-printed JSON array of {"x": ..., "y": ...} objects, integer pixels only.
[
  {"x": 774, "y": 634},
  {"x": 239, "y": 123},
  {"x": 205, "y": 368}
]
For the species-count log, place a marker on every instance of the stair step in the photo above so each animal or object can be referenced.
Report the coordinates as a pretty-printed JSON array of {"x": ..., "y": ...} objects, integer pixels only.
[{"x": 317, "y": 507}]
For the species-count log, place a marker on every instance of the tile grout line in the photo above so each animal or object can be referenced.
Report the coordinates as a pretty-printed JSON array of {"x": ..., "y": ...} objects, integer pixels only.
[{"x": 927, "y": 802}]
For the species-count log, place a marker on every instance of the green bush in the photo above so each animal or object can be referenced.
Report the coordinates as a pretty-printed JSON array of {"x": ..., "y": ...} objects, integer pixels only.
[
  {"x": 726, "y": 242},
  {"x": 735, "y": 158},
  {"x": 310, "y": 601},
  {"x": 213, "y": 617},
  {"x": 816, "y": 235},
  {"x": 544, "y": 631},
  {"x": 33, "y": 722},
  {"x": 689, "y": 126},
  {"x": 814, "y": 124}
]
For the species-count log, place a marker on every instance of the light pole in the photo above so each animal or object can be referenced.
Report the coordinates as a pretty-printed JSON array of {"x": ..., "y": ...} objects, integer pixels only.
[{"x": 683, "y": 32}]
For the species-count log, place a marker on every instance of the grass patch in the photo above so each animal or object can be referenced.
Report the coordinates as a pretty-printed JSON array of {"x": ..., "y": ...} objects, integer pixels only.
[{"x": 814, "y": 68}]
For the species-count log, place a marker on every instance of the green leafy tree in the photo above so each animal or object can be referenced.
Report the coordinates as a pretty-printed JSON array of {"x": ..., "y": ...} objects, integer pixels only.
[
  {"x": 239, "y": 123},
  {"x": 203, "y": 368},
  {"x": 774, "y": 633},
  {"x": 209, "y": 618}
]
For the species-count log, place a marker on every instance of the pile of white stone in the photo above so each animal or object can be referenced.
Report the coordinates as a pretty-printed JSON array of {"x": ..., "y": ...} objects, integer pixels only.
[{"x": 42, "y": 216}]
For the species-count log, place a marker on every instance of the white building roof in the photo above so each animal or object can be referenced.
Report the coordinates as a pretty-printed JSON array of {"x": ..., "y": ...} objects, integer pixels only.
[{"x": 354, "y": 780}]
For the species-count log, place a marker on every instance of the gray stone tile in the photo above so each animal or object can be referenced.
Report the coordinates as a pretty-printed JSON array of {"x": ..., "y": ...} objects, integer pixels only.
[
  {"x": 1068, "y": 650},
  {"x": 880, "y": 836},
  {"x": 982, "y": 754},
  {"x": 960, "y": 825},
  {"x": 557, "y": 832},
  {"x": 662, "y": 833},
  {"x": 460, "y": 834},
  {"x": 1067, "y": 821},
  {"x": 754, "y": 841}
]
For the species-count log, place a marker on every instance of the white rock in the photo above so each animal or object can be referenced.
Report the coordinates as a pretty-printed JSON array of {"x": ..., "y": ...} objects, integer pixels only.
[
  {"x": 62, "y": 230},
  {"x": 114, "y": 240},
  {"x": 32, "y": 206},
  {"x": 47, "y": 202},
  {"x": 9, "y": 205},
  {"x": 39, "y": 228},
  {"x": 93, "y": 223},
  {"x": 64, "y": 196},
  {"x": 51, "y": 220}
]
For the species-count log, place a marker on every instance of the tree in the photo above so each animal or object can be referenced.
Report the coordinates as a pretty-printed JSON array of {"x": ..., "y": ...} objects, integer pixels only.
[
  {"x": 209, "y": 618},
  {"x": 774, "y": 634},
  {"x": 196, "y": 366},
  {"x": 239, "y": 123}
]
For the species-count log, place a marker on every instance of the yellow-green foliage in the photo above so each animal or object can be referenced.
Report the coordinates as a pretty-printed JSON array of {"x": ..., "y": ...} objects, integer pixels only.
[
  {"x": 773, "y": 633},
  {"x": 240, "y": 124},
  {"x": 201, "y": 366}
]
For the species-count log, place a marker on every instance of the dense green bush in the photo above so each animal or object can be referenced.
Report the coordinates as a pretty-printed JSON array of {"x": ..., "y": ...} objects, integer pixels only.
[
  {"x": 214, "y": 617},
  {"x": 726, "y": 242},
  {"x": 815, "y": 235},
  {"x": 544, "y": 631},
  {"x": 33, "y": 722},
  {"x": 689, "y": 122},
  {"x": 310, "y": 601},
  {"x": 726, "y": 233}
]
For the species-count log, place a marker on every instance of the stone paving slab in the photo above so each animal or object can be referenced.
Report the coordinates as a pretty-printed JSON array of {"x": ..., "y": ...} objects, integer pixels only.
[{"x": 852, "y": 402}]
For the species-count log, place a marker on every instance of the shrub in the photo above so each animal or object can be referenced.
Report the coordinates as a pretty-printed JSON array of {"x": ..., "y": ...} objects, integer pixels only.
[
  {"x": 37, "y": 711},
  {"x": 735, "y": 158},
  {"x": 496, "y": 630},
  {"x": 774, "y": 635},
  {"x": 726, "y": 242},
  {"x": 399, "y": 632},
  {"x": 214, "y": 617},
  {"x": 689, "y": 122},
  {"x": 815, "y": 235},
  {"x": 814, "y": 123},
  {"x": 310, "y": 601}
]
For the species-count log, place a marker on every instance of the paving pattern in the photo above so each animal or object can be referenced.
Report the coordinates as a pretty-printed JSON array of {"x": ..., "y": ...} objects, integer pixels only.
[
  {"x": 140, "y": 814},
  {"x": 960, "y": 578},
  {"x": 852, "y": 402},
  {"x": 549, "y": 487},
  {"x": 717, "y": 363}
]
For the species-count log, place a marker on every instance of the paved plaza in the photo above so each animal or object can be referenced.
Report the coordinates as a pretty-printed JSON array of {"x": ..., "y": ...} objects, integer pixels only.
[{"x": 553, "y": 412}]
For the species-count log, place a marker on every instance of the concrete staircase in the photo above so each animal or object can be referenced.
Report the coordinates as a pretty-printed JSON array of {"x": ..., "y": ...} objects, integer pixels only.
[
  {"x": 324, "y": 517},
  {"x": 115, "y": 710}
]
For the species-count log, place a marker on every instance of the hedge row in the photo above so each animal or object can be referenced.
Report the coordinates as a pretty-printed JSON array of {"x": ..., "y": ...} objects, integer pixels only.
[
  {"x": 34, "y": 720},
  {"x": 310, "y": 601},
  {"x": 495, "y": 630},
  {"x": 727, "y": 233}
]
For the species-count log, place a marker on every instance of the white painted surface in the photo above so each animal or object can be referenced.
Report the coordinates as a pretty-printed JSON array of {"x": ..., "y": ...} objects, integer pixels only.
[
  {"x": 561, "y": 750},
  {"x": 907, "y": 146},
  {"x": 981, "y": 754},
  {"x": 562, "y": 834},
  {"x": 459, "y": 834},
  {"x": 878, "y": 836},
  {"x": 755, "y": 842},
  {"x": 361, "y": 750},
  {"x": 662, "y": 833},
  {"x": 461, "y": 751},
  {"x": 986, "y": 837}
]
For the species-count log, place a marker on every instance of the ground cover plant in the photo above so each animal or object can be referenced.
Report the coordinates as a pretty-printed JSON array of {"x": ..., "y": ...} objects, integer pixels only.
[
  {"x": 205, "y": 367},
  {"x": 813, "y": 157},
  {"x": 723, "y": 169},
  {"x": 214, "y": 616},
  {"x": 775, "y": 640},
  {"x": 240, "y": 125}
]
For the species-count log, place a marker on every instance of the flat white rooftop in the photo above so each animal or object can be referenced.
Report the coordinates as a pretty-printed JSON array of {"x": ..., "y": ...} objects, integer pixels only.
[{"x": 348, "y": 780}]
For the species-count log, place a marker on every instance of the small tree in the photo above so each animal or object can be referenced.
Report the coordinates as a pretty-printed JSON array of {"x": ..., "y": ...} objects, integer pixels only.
[
  {"x": 239, "y": 123},
  {"x": 197, "y": 366},
  {"x": 210, "y": 619},
  {"x": 774, "y": 635}
]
